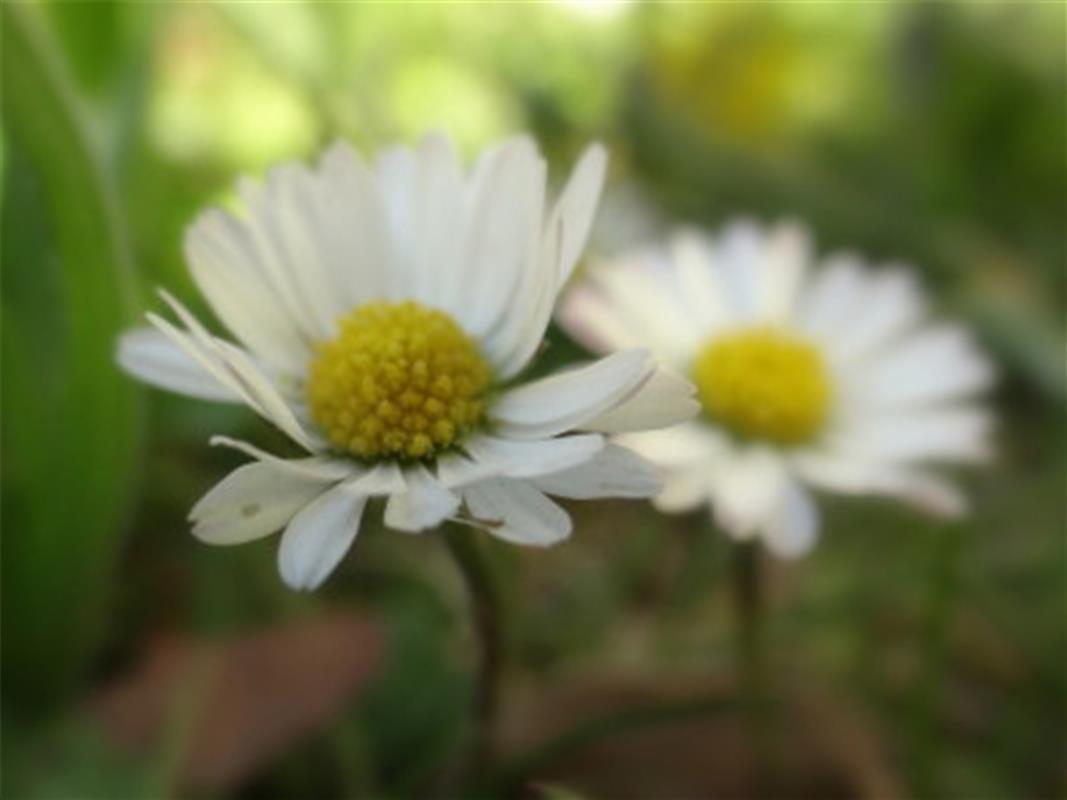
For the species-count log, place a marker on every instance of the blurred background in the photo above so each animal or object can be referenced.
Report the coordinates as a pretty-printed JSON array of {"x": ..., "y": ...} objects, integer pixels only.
[{"x": 917, "y": 659}]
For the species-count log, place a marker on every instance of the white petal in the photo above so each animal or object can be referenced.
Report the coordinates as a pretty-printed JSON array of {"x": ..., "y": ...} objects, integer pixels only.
[
  {"x": 613, "y": 472},
  {"x": 567, "y": 400},
  {"x": 438, "y": 220},
  {"x": 840, "y": 473},
  {"x": 747, "y": 490},
  {"x": 227, "y": 267},
  {"x": 643, "y": 293},
  {"x": 233, "y": 368},
  {"x": 383, "y": 479},
  {"x": 663, "y": 400},
  {"x": 700, "y": 282},
  {"x": 684, "y": 488},
  {"x": 324, "y": 468},
  {"x": 948, "y": 434},
  {"x": 595, "y": 322},
  {"x": 934, "y": 365},
  {"x": 683, "y": 445},
  {"x": 786, "y": 253},
  {"x": 150, "y": 356},
  {"x": 319, "y": 536},
  {"x": 832, "y": 297},
  {"x": 517, "y": 512},
  {"x": 283, "y": 237},
  {"x": 792, "y": 527},
  {"x": 891, "y": 304},
  {"x": 739, "y": 258},
  {"x": 564, "y": 238},
  {"x": 528, "y": 458},
  {"x": 577, "y": 206},
  {"x": 396, "y": 170},
  {"x": 251, "y": 502},
  {"x": 455, "y": 470},
  {"x": 424, "y": 503},
  {"x": 352, "y": 227},
  {"x": 502, "y": 237},
  {"x": 522, "y": 330}
]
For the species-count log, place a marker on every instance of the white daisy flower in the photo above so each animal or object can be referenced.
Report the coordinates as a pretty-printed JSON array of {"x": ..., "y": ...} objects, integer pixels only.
[
  {"x": 384, "y": 313},
  {"x": 831, "y": 380}
]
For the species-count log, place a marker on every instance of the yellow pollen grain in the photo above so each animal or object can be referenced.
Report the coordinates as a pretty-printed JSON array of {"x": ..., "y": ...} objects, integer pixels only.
[
  {"x": 400, "y": 381},
  {"x": 764, "y": 383}
]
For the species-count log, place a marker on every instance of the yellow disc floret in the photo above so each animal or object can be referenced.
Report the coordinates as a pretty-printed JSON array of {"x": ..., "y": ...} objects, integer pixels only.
[
  {"x": 764, "y": 383},
  {"x": 400, "y": 381}
]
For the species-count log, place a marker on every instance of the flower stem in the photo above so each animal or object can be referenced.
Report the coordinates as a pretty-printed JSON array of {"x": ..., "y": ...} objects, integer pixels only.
[
  {"x": 474, "y": 567},
  {"x": 748, "y": 608},
  {"x": 751, "y": 655}
]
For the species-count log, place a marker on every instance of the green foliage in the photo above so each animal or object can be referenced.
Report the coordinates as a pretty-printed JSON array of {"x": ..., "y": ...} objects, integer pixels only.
[{"x": 71, "y": 421}]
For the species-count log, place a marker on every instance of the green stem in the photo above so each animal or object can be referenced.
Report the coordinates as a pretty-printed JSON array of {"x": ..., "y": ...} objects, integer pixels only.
[
  {"x": 749, "y": 608},
  {"x": 485, "y": 599},
  {"x": 934, "y": 654}
]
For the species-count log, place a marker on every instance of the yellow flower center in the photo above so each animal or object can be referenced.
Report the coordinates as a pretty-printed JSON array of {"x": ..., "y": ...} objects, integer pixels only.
[
  {"x": 400, "y": 381},
  {"x": 764, "y": 383}
]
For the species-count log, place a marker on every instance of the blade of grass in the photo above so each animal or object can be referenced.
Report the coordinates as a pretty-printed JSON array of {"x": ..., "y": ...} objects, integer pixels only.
[{"x": 71, "y": 421}]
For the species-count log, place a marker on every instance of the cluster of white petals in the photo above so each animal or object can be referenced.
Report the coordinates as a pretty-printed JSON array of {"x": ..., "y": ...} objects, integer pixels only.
[
  {"x": 903, "y": 390},
  {"x": 483, "y": 247}
]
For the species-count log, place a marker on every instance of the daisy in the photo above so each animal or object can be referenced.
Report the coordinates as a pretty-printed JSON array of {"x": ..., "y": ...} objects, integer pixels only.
[
  {"x": 827, "y": 378},
  {"x": 383, "y": 314}
]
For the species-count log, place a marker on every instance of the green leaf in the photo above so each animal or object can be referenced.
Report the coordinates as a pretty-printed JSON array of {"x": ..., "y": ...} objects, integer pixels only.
[{"x": 71, "y": 421}]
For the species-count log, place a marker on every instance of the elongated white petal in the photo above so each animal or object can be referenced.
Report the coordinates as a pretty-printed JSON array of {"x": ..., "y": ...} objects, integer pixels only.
[
  {"x": 352, "y": 227},
  {"x": 948, "y": 434},
  {"x": 438, "y": 219},
  {"x": 739, "y": 262},
  {"x": 523, "y": 334},
  {"x": 280, "y": 240},
  {"x": 786, "y": 254},
  {"x": 233, "y": 368},
  {"x": 577, "y": 206},
  {"x": 568, "y": 400},
  {"x": 747, "y": 489},
  {"x": 663, "y": 400},
  {"x": 831, "y": 298},
  {"x": 455, "y": 470},
  {"x": 684, "y": 489},
  {"x": 323, "y": 468},
  {"x": 595, "y": 322},
  {"x": 613, "y": 472},
  {"x": 225, "y": 264},
  {"x": 383, "y": 479},
  {"x": 528, "y": 458},
  {"x": 319, "y": 536},
  {"x": 891, "y": 304},
  {"x": 937, "y": 364},
  {"x": 501, "y": 240},
  {"x": 150, "y": 356},
  {"x": 792, "y": 527},
  {"x": 653, "y": 308},
  {"x": 700, "y": 282},
  {"x": 555, "y": 256},
  {"x": 424, "y": 503},
  {"x": 517, "y": 512},
  {"x": 251, "y": 502},
  {"x": 396, "y": 170},
  {"x": 845, "y": 474},
  {"x": 688, "y": 444}
]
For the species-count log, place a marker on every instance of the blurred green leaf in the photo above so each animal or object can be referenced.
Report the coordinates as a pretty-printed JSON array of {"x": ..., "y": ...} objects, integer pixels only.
[{"x": 71, "y": 421}]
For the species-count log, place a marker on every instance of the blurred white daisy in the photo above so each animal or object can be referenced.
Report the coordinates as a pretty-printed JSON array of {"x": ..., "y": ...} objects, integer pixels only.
[
  {"x": 830, "y": 380},
  {"x": 383, "y": 314}
]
